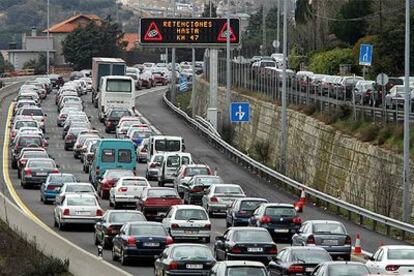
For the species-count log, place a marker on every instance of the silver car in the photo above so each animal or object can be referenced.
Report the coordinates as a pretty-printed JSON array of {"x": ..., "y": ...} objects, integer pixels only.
[
  {"x": 77, "y": 209},
  {"x": 221, "y": 196},
  {"x": 75, "y": 188}
]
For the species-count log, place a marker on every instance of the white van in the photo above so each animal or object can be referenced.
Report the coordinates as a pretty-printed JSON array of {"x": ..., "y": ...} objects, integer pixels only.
[
  {"x": 170, "y": 164},
  {"x": 165, "y": 144},
  {"x": 116, "y": 91}
]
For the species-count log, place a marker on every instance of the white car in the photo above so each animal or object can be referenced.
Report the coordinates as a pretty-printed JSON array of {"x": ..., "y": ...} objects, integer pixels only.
[
  {"x": 221, "y": 196},
  {"x": 188, "y": 222},
  {"x": 123, "y": 127},
  {"x": 392, "y": 260},
  {"x": 77, "y": 209},
  {"x": 142, "y": 151},
  {"x": 127, "y": 191},
  {"x": 153, "y": 166},
  {"x": 75, "y": 188}
]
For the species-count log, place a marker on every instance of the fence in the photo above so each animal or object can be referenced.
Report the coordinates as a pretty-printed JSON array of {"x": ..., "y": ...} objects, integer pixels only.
[{"x": 268, "y": 83}]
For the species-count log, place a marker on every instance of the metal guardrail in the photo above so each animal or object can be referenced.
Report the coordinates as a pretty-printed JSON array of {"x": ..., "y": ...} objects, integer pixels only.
[
  {"x": 394, "y": 223},
  {"x": 207, "y": 124}
]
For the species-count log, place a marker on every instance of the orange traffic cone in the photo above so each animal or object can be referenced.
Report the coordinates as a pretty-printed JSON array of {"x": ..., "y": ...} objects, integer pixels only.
[
  {"x": 357, "y": 248},
  {"x": 299, "y": 204}
]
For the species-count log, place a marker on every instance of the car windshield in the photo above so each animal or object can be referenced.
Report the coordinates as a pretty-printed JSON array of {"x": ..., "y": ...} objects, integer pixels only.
[
  {"x": 44, "y": 164},
  {"x": 191, "y": 253},
  {"x": 245, "y": 271},
  {"x": 61, "y": 178},
  {"x": 162, "y": 193},
  {"x": 79, "y": 189},
  {"x": 147, "y": 230},
  {"x": 121, "y": 217},
  {"x": 197, "y": 171},
  {"x": 32, "y": 112},
  {"x": 310, "y": 256},
  {"x": 190, "y": 214},
  {"x": 126, "y": 124},
  {"x": 348, "y": 270},
  {"x": 81, "y": 201},
  {"x": 76, "y": 131},
  {"x": 134, "y": 182},
  {"x": 20, "y": 124},
  {"x": 228, "y": 190},
  {"x": 167, "y": 145},
  {"x": 252, "y": 236},
  {"x": 401, "y": 254},
  {"x": 116, "y": 174},
  {"x": 280, "y": 212},
  {"x": 328, "y": 228},
  {"x": 250, "y": 205}
]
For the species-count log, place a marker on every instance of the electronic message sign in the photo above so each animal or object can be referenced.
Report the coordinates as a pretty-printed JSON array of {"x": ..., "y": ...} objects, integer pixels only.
[{"x": 187, "y": 32}]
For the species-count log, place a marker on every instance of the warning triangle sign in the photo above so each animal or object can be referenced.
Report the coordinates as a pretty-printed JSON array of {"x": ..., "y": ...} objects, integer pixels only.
[
  {"x": 222, "y": 37},
  {"x": 153, "y": 33}
]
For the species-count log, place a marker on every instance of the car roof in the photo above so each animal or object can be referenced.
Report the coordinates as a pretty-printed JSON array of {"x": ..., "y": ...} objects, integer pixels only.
[
  {"x": 132, "y": 178},
  {"x": 306, "y": 248},
  {"x": 61, "y": 174},
  {"x": 398, "y": 246},
  {"x": 243, "y": 263},
  {"x": 42, "y": 159},
  {"x": 243, "y": 228},
  {"x": 324, "y": 221},
  {"x": 144, "y": 222},
  {"x": 123, "y": 211},
  {"x": 278, "y": 205},
  {"x": 68, "y": 195},
  {"x": 251, "y": 199},
  {"x": 225, "y": 185},
  {"x": 188, "y": 206},
  {"x": 78, "y": 183}
]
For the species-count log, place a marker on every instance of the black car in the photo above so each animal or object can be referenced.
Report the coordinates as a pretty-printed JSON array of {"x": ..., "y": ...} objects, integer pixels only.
[
  {"x": 239, "y": 268},
  {"x": 185, "y": 259},
  {"x": 298, "y": 260},
  {"x": 139, "y": 240},
  {"x": 110, "y": 224},
  {"x": 113, "y": 116},
  {"x": 24, "y": 156},
  {"x": 241, "y": 210},
  {"x": 245, "y": 243},
  {"x": 279, "y": 219},
  {"x": 72, "y": 135},
  {"x": 197, "y": 186},
  {"x": 341, "y": 268},
  {"x": 37, "y": 170}
]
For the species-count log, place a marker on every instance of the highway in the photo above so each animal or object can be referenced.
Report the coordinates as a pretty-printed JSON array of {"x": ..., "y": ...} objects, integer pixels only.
[{"x": 152, "y": 107}]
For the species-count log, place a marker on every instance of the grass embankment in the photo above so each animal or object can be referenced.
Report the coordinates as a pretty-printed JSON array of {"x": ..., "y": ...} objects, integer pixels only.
[{"x": 20, "y": 257}]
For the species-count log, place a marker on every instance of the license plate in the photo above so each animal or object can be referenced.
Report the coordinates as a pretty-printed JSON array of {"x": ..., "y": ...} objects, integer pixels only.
[
  {"x": 309, "y": 269},
  {"x": 190, "y": 232},
  {"x": 82, "y": 212},
  {"x": 41, "y": 174},
  {"x": 255, "y": 249},
  {"x": 281, "y": 230},
  {"x": 330, "y": 242},
  {"x": 151, "y": 244},
  {"x": 194, "y": 266}
]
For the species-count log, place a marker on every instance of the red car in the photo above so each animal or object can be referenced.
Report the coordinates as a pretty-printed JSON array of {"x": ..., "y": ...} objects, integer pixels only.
[
  {"x": 108, "y": 180},
  {"x": 156, "y": 201}
]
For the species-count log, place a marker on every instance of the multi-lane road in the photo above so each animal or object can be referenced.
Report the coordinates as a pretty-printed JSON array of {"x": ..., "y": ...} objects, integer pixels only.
[{"x": 150, "y": 104}]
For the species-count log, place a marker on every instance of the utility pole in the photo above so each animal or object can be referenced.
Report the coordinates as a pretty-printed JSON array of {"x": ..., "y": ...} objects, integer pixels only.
[
  {"x": 193, "y": 69},
  {"x": 407, "y": 94},
  {"x": 173, "y": 71},
  {"x": 278, "y": 27},
  {"x": 211, "y": 8},
  {"x": 264, "y": 28},
  {"x": 283, "y": 122},
  {"x": 48, "y": 40},
  {"x": 228, "y": 77}
]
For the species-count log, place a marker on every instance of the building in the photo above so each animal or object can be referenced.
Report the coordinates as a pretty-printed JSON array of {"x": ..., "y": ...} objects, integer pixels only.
[
  {"x": 60, "y": 31},
  {"x": 32, "y": 47}
]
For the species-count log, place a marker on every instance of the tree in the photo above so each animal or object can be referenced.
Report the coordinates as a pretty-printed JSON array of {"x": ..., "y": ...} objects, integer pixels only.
[
  {"x": 206, "y": 11},
  {"x": 351, "y": 24},
  {"x": 328, "y": 62},
  {"x": 39, "y": 65},
  {"x": 103, "y": 40},
  {"x": 2, "y": 64}
]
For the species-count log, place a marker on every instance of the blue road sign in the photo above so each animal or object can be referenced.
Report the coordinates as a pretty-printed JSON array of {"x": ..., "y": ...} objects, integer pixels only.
[
  {"x": 365, "y": 54},
  {"x": 240, "y": 112}
]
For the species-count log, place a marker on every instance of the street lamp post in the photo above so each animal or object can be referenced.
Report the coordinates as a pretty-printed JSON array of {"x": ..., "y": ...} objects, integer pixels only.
[
  {"x": 193, "y": 69},
  {"x": 228, "y": 77},
  {"x": 48, "y": 39}
]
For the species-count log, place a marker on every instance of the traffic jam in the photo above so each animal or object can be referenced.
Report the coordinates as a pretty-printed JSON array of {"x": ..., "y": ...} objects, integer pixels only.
[{"x": 165, "y": 214}]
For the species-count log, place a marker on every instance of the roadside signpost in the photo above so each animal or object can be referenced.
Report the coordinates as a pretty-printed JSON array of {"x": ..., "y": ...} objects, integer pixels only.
[
  {"x": 382, "y": 80},
  {"x": 365, "y": 54},
  {"x": 240, "y": 112}
]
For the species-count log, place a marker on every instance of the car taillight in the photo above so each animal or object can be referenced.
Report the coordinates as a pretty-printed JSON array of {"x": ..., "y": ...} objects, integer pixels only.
[
  {"x": 109, "y": 230},
  {"x": 66, "y": 212},
  {"x": 123, "y": 189},
  {"x": 297, "y": 220},
  {"x": 196, "y": 190},
  {"x": 172, "y": 266},
  {"x": 368, "y": 92},
  {"x": 132, "y": 241},
  {"x": 143, "y": 150},
  {"x": 348, "y": 240},
  {"x": 28, "y": 172},
  {"x": 78, "y": 146},
  {"x": 50, "y": 187},
  {"x": 207, "y": 226},
  {"x": 55, "y": 171},
  {"x": 213, "y": 199},
  {"x": 273, "y": 250},
  {"x": 296, "y": 269},
  {"x": 153, "y": 165},
  {"x": 235, "y": 250},
  {"x": 169, "y": 240},
  {"x": 265, "y": 219},
  {"x": 174, "y": 225},
  {"x": 69, "y": 137},
  {"x": 310, "y": 240},
  {"x": 392, "y": 267},
  {"x": 108, "y": 123},
  {"x": 99, "y": 213},
  {"x": 22, "y": 162}
]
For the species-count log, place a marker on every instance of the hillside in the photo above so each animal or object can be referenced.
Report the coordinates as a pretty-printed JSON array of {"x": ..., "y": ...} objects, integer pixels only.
[{"x": 18, "y": 16}]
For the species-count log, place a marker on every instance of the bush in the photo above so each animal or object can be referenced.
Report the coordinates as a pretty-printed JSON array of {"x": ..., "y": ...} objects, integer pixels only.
[
  {"x": 328, "y": 62},
  {"x": 369, "y": 133},
  {"x": 309, "y": 109},
  {"x": 384, "y": 134},
  {"x": 262, "y": 149}
]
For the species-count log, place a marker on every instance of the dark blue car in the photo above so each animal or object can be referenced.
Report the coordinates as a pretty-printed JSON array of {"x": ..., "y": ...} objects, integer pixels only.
[
  {"x": 52, "y": 185},
  {"x": 242, "y": 209}
]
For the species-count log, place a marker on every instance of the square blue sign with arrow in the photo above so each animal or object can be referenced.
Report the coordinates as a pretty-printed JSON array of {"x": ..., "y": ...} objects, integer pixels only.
[
  {"x": 365, "y": 54},
  {"x": 240, "y": 112}
]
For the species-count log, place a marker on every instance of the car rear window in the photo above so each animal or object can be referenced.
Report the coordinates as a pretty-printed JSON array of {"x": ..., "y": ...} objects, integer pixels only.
[
  {"x": 190, "y": 214},
  {"x": 108, "y": 155},
  {"x": 134, "y": 182},
  {"x": 47, "y": 164},
  {"x": 27, "y": 141},
  {"x": 227, "y": 190},
  {"x": 197, "y": 171},
  {"x": 250, "y": 205},
  {"x": 118, "y": 173},
  {"x": 209, "y": 180},
  {"x": 173, "y": 161},
  {"x": 280, "y": 212},
  {"x": 401, "y": 254},
  {"x": 61, "y": 178},
  {"x": 328, "y": 228},
  {"x": 81, "y": 201},
  {"x": 252, "y": 236},
  {"x": 348, "y": 270},
  {"x": 151, "y": 230},
  {"x": 35, "y": 154},
  {"x": 32, "y": 112},
  {"x": 119, "y": 113},
  {"x": 167, "y": 145},
  {"x": 245, "y": 271},
  {"x": 79, "y": 189},
  {"x": 20, "y": 124},
  {"x": 141, "y": 134},
  {"x": 125, "y": 217},
  {"x": 310, "y": 256},
  {"x": 124, "y": 156},
  {"x": 162, "y": 193},
  {"x": 191, "y": 253}
]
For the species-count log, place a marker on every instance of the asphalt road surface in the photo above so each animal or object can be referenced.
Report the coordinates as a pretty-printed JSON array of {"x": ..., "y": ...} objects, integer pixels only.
[{"x": 153, "y": 108}]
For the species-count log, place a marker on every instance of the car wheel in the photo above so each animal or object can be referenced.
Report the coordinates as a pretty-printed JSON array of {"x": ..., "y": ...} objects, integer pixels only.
[
  {"x": 207, "y": 240},
  {"x": 227, "y": 224},
  {"x": 123, "y": 258},
  {"x": 61, "y": 226},
  {"x": 114, "y": 256},
  {"x": 55, "y": 224},
  {"x": 19, "y": 175},
  {"x": 160, "y": 183},
  {"x": 14, "y": 164},
  {"x": 66, "y": 148},
  {"x": 23, "y": 184}
]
